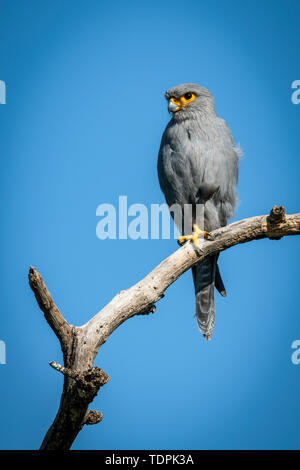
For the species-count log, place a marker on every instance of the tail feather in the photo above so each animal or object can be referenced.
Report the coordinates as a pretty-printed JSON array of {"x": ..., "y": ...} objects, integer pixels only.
[
  {"x": 219, "y": 283},
  {"x": 204, "y": 275}
]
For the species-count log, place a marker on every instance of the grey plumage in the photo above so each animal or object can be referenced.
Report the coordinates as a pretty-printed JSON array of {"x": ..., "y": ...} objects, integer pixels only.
[{"x": 198, "y": 164}]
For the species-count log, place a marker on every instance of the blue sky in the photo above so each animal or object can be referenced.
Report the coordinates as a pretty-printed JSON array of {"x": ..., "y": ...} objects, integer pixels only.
[{"x": 82, "y": 125}]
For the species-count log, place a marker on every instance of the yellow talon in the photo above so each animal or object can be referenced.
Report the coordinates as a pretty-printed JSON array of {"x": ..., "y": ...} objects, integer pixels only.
[{"x": 194, "y": 237}]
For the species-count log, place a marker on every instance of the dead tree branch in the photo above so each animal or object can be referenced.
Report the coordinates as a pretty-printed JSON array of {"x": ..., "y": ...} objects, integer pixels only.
[{"x": 80, "y": 345}]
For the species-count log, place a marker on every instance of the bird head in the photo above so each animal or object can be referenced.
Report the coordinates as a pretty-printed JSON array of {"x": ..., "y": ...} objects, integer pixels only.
[{"x": 188, "y": 98}]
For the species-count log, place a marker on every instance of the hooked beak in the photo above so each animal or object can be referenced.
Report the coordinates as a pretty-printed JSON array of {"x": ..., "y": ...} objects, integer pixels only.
[{"x": 173, "y": 106}]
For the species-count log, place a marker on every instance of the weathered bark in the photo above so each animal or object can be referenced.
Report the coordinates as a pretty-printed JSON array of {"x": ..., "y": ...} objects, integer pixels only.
[{"x": 80, "y": 345}]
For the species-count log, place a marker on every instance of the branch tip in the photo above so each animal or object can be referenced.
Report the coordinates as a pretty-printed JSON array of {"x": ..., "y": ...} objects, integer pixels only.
[
  {"x": 59, "y": 368},
  {"x": 53, "y": 316}
]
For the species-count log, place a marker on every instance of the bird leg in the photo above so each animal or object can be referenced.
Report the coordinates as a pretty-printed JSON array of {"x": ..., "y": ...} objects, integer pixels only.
[{"x": 194, "y": 237}]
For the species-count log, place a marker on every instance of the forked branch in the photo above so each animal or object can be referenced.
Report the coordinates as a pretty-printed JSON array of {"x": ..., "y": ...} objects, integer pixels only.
[{"x": 80, "y": 345}]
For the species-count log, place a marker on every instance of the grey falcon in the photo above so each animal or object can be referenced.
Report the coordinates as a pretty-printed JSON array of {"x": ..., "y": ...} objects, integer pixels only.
[{"x": 198, "y": 165}]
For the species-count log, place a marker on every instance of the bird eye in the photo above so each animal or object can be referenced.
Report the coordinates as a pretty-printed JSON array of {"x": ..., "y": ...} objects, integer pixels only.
[{"x": 188, "y": 96}]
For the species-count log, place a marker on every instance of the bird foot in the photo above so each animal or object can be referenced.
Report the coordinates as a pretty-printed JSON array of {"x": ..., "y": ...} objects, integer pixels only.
[{"x": 197, "y": 233}]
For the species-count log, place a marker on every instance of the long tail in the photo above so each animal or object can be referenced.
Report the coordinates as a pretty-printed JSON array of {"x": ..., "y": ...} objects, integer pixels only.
[
  {"x": 206, "y": 276},
  {"x": 219, "y": 282}
]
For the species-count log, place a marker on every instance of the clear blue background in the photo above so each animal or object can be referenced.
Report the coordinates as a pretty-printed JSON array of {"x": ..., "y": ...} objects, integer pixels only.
[{"x": 82, "y": 125}]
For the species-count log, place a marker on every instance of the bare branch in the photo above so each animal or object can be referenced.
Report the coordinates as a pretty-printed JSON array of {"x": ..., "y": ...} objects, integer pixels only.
[
  {"x": 142, "y": 297},
  {"x": 81, "y": 344},
  {"x": 53, "y": 316}
]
